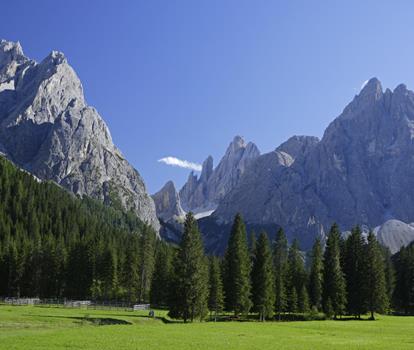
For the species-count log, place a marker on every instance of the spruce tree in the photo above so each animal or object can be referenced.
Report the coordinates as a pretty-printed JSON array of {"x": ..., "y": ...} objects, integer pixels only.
[
  {"x": 354, "y": 272},
  {"x": 146, "y": 263},
  {"x": 130, "y": 273},
  {"x": 296, "y": 278},
  {"x": 333, "y": 277},
  {"x": 303, "y": 300},
  {"x": 161, "y": 280},
  {"x": 280, "y": 268},
  {"x": 237, "y": 270},
  {"x": 216, "y": 293},
  {"x": 190, "y": 284},
  {"x": 316, "y": 276},
  {"x": 376, "y": 293},
  {"x": 263, "y": 279}
]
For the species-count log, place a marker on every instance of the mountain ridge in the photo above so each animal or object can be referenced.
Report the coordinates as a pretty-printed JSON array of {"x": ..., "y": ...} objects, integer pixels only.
[{"x": 48, "y": 129}]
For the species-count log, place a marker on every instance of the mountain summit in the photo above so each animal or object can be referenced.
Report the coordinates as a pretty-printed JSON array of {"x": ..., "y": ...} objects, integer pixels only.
[{"x": 47, "y": 128}]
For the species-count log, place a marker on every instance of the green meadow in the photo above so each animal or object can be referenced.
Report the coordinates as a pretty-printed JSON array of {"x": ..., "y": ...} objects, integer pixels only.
[{"x": 31, "y": 327}]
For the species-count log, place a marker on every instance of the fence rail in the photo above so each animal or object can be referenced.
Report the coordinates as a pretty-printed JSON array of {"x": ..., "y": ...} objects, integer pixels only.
[{"x": 79, "y": 304}]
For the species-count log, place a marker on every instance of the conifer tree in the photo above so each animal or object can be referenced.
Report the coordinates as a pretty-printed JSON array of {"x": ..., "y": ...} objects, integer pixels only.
[
  {"x": 354, "y": 272},
  {"x": 333, "y": 278},
  {"x": 280, "y": 268},
  {"x": 303, "y": 300},
  {"x": 263, "y": 279},
  {"x": 146, "y": 263},
  {"x": 237, "y": 270},
  {"x": 296, "y": 276},
  {"x": 130, "y": 275},
  {"x": 216, "y": 293},
  {"x": 161, "y": 280},
  {"x": 376, "y": 293},
  {"x": 316, "y": 276},
  {"x": 190, "y": 285}
]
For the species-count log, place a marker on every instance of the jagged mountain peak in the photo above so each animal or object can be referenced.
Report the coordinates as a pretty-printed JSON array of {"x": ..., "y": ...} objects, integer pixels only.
[
  {"x": 47, "y": 128},
  {"x": 167, "y": 203},
  {"x": 11, "y": 49}
]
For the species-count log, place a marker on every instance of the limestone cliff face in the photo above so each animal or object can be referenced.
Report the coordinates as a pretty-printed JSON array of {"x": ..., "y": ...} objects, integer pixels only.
[
  {"x": 167, "y": 203},
  {"x": 361, "y": 172},
  {"x": 204, "y": 194},
  {"x": 47, "y": 128}
]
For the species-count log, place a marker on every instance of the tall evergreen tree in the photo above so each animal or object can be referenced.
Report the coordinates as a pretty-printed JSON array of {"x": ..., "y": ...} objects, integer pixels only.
[
  {"x": 237, "y": 270},
  {"x": 375, "y": 288},
  {"x": 354, "y": 272},
  {"x": 296, "y": 276},
  {"x": 280, "y": 268},
  {"x": 130, "y": 271},
  {"x": 263, "y": 279},
  {"x": 403, "y": 295},
  {"x": 161, "y": 280},
  {"x": 333, "y": 277},
  {"x": 216, "y": 293},
  {"x": 316, "y": 276},
  {"x": 190, "y": 285},
  {"x": 146, "y": 263}
]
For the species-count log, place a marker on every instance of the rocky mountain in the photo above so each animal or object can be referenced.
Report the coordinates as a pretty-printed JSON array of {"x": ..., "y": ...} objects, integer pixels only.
[
  {"x": 167, "y": 203},
  {"x": 361, "y": 172},
  {"x": 47, "y": 128},
  {"x": 203, "y": 194},
  {"x": 395, "y": 234}
]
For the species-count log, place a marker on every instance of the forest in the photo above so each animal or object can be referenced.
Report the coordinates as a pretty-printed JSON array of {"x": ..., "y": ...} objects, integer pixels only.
[{"x": 56, "y": 245}]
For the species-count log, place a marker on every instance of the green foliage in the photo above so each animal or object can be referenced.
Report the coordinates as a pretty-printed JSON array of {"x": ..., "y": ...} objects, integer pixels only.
[
  {"x": 333, "y": 277},
  {"x": 296, "y": 276},
  {"x": 190, "y": 285},
  {"x": 355, "y": 272},
  {"x": 375, "y": 288},
  {"x": 280, "y": 269},
  {"x": 263, "y": 279},
  {"x": 237, "y": 270},
  {"x": 404, "y": 285},
  {"x": 53, "y": 244},
  {"x": 316, "y": 276},
  {"x": 161, "y": 280},
  {"x": 216, "y": 292}
]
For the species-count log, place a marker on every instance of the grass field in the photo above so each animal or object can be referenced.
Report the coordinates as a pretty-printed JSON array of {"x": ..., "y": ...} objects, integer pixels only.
[{"x": 29, "y": 327}]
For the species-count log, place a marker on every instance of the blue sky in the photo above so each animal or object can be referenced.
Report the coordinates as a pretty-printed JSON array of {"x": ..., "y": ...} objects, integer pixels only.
[{"x": 181, "y": 78}]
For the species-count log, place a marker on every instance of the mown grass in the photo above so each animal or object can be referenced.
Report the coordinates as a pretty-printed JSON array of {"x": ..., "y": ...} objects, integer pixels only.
[{"x": 28, "y": 327}]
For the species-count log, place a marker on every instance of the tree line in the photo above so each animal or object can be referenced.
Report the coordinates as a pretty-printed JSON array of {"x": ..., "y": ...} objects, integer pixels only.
[
  {"x": 345, "y": 277},
  {"x": 56, "y": 245}
]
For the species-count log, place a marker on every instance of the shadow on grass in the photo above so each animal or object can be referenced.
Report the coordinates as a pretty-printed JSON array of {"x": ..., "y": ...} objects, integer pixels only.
[{"x": 98, "y": 321}]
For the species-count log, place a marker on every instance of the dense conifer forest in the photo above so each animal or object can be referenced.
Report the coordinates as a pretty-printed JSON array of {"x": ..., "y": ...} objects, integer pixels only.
[{"x": 56, "y": 245}]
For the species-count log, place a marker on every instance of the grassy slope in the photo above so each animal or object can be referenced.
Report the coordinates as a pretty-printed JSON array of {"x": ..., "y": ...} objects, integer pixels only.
[{"x": 57, "y": 328}]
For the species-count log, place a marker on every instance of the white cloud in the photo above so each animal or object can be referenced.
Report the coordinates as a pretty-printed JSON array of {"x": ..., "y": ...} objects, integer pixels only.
[
  {"x": 364, "y": 83},
  {"x": 180, "y": 163}
]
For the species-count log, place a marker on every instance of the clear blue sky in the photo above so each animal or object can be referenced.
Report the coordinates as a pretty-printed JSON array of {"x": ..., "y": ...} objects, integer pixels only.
[{"x": 181, "y": 78}]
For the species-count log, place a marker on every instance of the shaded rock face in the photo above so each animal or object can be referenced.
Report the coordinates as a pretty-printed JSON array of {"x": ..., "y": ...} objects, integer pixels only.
[
  {"x": 361, "y": 172},
  {"x": 167, "y": 203},
  {"x": 204, "y": 194},
  {"x": 47, "y": 128}
]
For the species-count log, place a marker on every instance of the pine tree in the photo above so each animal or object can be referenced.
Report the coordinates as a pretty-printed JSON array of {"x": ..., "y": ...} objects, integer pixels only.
[
  {"x": 316, "y": 276},
  {"x": 263, "y": 279},
  {"x": 161, "y": 280},
  {"x": 216, "y": 293},
  {"x": 146, "y": 263},
  {"x": 354, "y": 272},
  {"x": 333, "y": 278},
  {"x": 389, "y": 272},
  {"x": 303, "y": 300},
  {"x": 130, "y": 271},
  {"x": 280, "y": 268},
  {"x": 376, "y": 293},
  {"x": 190, "y": 285},
  {"x": 237, "y": 270},
  {"x": 296, "y": 276}
]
